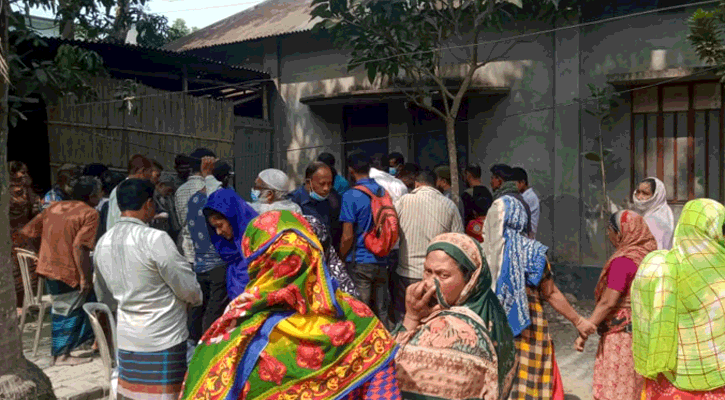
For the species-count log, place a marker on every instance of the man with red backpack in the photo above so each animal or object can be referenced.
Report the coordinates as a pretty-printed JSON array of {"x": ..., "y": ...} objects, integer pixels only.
[{"x": 369, "y": 233}]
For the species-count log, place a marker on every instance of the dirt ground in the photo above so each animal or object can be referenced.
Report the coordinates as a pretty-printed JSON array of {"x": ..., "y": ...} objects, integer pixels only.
[{"x": 576, "y": 368}]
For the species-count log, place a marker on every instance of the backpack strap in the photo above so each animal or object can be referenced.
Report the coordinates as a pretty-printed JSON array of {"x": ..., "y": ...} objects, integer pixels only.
[
  {"x": 370, "y": 194},
  {"x": 364, "y": 189}
]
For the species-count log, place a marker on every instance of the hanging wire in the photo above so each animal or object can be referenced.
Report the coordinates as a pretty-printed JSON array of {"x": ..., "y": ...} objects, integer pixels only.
[
  {"x": 332, "y": 68},
  {"x": 584, "y": 100}
]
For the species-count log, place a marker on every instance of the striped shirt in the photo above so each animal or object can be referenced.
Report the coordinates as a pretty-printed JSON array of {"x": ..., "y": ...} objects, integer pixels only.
[
  {"x": 424, "y": 214},
  {"x": 533, "y": 200}
]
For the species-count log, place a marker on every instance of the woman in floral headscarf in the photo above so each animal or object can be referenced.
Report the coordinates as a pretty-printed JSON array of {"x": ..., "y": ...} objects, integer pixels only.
[
  {"x": 678, "y": 310},
  {"x": 290, "y": 335},
  {"x": 614, "y": 374},
  {"x": 463, "y": 347}
]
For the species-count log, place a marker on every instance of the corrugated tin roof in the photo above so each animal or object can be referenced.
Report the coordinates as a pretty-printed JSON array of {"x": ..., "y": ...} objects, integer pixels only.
[
  {"x": 270, "y": 18},
  {"x": 100, "y": 46}
]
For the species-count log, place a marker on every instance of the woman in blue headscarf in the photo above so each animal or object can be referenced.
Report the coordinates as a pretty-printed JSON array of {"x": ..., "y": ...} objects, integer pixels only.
[
  {"x": 523, "y": 282},
  {"x": 228, "y": 216}
]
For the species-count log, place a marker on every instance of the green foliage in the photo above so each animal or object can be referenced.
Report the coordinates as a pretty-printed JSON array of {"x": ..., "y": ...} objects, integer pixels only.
[
  {"x": 409, "y": 43},
  {"x": 604, "y": 102},
  {"x": 406, "y": 42},
  {"x": 600, "y": 108},
  {"x": 153, "y": 30},
  {"x": 706, "y": 36},
  {"x": 35, "y": 76},
  {"x": 178, "y": 29}
]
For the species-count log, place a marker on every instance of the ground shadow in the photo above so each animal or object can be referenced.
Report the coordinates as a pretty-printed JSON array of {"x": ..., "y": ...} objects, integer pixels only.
[{"x": 571, "y": 397}]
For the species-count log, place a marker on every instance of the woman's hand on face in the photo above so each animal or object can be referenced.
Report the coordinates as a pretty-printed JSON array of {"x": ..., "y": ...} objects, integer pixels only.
[
  {"x": 579, "y": 344},
  {"x": 417, "y": 300},
  {"x": 585, "y": 327}
]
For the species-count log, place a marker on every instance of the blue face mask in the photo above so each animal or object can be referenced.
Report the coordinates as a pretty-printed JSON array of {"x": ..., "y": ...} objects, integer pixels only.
[
  {"x": 315, "y": 196},
  {"x": 255, "y": 195},
  {"x": 392, "y": 170}
]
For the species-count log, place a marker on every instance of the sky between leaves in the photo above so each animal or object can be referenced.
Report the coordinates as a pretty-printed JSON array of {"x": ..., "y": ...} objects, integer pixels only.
[{"x": 196, "y": 13}]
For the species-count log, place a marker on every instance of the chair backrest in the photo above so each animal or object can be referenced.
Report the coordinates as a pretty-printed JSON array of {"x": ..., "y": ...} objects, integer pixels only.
[
  {"x": 25, "y": 258},
  {"x": 108, "y": 356}
]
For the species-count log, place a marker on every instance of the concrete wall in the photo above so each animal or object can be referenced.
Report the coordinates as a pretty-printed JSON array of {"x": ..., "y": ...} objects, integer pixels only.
[
  {"x": 540, "y": 125},
  {"x": 629, "y": 45}
]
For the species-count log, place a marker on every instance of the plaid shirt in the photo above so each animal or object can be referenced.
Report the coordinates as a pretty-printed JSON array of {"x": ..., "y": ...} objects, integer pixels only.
[
  {"x": 52, "y": 196},
  {"x": 194, "y": 184}
]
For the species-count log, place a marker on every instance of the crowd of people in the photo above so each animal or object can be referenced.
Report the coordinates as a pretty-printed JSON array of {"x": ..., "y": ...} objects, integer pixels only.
[{"x": 372, "y": 284}]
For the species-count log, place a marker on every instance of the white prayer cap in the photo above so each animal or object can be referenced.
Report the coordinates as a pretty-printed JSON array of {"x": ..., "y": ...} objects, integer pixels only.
[{"x": 275, "y": 179}]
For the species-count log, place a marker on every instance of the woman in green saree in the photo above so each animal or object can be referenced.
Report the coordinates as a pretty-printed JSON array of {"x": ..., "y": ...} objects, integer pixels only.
[{"x": 678, "y": 309}]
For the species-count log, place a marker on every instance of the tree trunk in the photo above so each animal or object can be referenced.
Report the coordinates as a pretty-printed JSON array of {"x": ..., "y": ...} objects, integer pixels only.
[
  {"x": 19, "y": 378},
  {"x": 121, "y": 25},
  {"x": 453, "y": 158},
  {"x": 67, "y": 26},
  {"x": 605, "y": 205}
]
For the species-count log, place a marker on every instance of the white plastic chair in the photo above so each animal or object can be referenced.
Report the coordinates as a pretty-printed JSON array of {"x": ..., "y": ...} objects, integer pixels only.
[
  {"x": 32, "y": 300},
  {"x": 108, "y": 354}
]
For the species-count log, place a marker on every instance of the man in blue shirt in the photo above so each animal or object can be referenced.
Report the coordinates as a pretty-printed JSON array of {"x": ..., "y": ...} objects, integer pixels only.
[
  {"x": 369, "y": 272},
  {"x": 317, "y": 198}
]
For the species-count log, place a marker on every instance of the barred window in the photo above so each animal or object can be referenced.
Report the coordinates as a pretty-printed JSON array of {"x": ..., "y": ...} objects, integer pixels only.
[{"x": 677, "y": 136}]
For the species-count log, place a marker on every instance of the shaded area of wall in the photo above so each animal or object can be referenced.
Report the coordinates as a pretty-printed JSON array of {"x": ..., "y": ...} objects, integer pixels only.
[{"x": 541, "y": 125}]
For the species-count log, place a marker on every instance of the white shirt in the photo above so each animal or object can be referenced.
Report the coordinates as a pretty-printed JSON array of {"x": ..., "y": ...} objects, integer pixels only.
[
  {"x": 493, "y": 241},
  {"x": 286, "y": 204},
  {"x": 394, "y": 186},
  {"x": 533, "y": 201},
  {"x": 101, "y": 203},
  {"x": 152, "y": 283},
  {"x": 114, "y": 213}
]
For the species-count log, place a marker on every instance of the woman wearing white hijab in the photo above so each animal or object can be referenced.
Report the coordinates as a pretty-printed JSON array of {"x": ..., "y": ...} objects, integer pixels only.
[
  {"x": 270, "y": 192},
  {"x": 650, "y": 201}
]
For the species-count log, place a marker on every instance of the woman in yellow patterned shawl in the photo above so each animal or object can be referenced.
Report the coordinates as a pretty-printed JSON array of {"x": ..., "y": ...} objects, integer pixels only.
[
  {"x": 291, "y": 334},
  {"x": 678, "y": 309}
]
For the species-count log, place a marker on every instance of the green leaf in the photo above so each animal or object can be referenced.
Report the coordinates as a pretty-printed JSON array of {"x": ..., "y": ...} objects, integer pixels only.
[
  {"x": 592, "y": 156},
  {"x": 372, "y": 72}
]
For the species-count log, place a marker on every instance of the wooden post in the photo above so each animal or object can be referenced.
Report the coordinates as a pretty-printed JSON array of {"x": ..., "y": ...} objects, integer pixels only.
[
  {"x": 265, "y": 101},
  {"x": 185, "y": 89},
  {"x": 185, "y": 79}
]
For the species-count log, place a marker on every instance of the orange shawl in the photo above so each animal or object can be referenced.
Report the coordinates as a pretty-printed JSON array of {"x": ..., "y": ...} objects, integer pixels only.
[{"x": 633, "y": 241}]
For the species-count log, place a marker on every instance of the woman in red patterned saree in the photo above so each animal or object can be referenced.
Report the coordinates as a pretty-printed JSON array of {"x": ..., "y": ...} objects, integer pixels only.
[{"x": 614, "y": 374}]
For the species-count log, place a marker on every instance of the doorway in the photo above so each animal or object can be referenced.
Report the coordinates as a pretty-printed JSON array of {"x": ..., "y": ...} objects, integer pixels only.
[
  {"x": 429, "y": 138},
  {"x": 366, "y": 129},
  {"x": 28, "y": 142}
]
